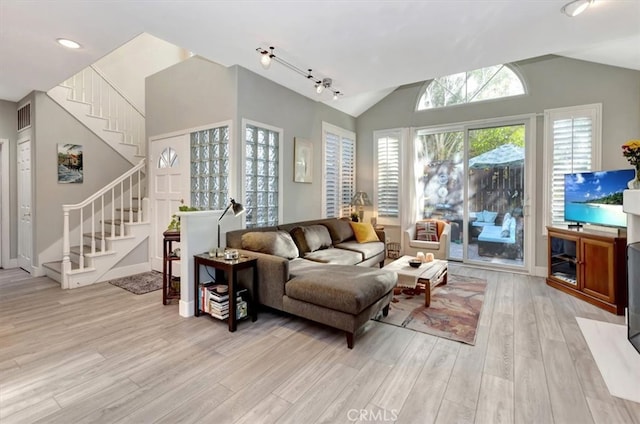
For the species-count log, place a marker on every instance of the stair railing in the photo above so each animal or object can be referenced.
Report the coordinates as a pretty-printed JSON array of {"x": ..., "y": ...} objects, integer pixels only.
[
  {"x": 119, "y": 196},
  {"x": 92, "y": 87}
]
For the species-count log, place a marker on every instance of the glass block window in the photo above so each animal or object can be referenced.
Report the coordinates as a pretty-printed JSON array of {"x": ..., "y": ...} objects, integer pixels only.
[
  {"x": 262, "y": 176},
  {"x": 492, "y": 82},
  {"x": 210, "y": 168},
  {"x": 168, "y": 158}
]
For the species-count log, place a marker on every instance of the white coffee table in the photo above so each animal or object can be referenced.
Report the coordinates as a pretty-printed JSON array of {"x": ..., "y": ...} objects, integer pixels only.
[{"x": 429, "y": 275}]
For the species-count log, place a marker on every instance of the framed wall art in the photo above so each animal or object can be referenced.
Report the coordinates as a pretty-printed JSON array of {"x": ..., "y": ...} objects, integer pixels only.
[
  {"x": 70, "y": 163},
  {"x": 302, "y": 160}
]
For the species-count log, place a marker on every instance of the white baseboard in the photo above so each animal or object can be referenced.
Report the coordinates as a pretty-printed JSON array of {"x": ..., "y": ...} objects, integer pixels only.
[
  {"x": 38, "y": 271},
  {"x": 540, "y": 271},
  {"x": 125, "y": 271},
  {"x": 185, "y": 308},
  {"x": 10, "y": 263}
]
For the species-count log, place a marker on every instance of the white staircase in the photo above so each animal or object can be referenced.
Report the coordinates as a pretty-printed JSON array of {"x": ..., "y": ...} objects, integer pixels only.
[
  {"x": 103, "y": 109},
  {"x": 101, "y": 231}
]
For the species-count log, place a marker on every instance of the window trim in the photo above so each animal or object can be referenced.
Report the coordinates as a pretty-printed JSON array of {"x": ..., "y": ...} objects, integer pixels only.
[
  {"x": 342, "y": 133},
  {"x": 550, "y": 115},
  {"x": 401, "y": 134},
  {"x": 243, "y": 157}
]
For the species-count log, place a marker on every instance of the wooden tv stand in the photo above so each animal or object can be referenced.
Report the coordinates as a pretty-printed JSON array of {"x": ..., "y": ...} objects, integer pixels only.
[{"x": 590, "y": 265}]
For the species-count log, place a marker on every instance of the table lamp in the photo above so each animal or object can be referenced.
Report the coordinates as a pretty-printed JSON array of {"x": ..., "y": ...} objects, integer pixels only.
[
  {"x": 360, "y": 199},
  {"x": 237, "y": 210}
]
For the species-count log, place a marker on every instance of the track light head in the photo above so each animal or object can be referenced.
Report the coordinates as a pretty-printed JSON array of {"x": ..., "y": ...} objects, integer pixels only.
[
  {"x": 319, "y": 87},
  {"x": 576, "y": 7},
  {"x": 266, "y": 56}
]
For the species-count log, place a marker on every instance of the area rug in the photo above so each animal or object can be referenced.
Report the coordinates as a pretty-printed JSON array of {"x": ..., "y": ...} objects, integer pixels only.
[
  {"x": 453, "y": 314},
  {"x": 615, "y": 357},
  {"x": 140, "y": 283}
]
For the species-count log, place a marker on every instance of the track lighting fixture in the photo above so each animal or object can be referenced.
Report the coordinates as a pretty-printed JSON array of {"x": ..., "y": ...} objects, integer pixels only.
[
  {"x": 576, "y": 7},
  {"x": 267, "y": 56}
]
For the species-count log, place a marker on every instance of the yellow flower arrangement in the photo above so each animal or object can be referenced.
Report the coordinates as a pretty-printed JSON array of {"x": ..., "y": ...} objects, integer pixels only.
[{"x": 631, "y": 151}]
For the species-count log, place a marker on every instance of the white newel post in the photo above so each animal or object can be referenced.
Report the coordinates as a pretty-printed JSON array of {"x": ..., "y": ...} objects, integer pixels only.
[{"x": 66, "y": 250}]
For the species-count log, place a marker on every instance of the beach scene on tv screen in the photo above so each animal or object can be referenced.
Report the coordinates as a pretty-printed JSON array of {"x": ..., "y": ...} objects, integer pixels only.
[{"x": 596, "y": 197}]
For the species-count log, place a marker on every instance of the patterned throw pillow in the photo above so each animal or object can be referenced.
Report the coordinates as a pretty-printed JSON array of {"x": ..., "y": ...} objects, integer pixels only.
[{"x": 427, "y": 231}]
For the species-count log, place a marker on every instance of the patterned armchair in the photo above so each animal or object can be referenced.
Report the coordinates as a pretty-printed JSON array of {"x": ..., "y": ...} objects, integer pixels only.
[{"x": 424, "y": 230}]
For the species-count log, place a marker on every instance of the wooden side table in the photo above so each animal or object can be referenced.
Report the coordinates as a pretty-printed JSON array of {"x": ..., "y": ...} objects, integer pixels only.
[
  {"x": 168, "y": 291},
  {"x": 230, "y": 268}
]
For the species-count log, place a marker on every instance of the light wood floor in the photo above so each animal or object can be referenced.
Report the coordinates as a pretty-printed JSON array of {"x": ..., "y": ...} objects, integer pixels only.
[{"x": 100, "y": 354}]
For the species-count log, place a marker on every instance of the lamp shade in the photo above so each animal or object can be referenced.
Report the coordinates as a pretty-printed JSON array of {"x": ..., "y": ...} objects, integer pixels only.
[
  {"x": 237, "y": 209},
  {"x": 360, "y": 199}
]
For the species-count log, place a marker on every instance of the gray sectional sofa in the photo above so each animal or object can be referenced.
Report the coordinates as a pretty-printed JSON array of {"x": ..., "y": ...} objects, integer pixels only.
[{"x": 319, "y": 271}]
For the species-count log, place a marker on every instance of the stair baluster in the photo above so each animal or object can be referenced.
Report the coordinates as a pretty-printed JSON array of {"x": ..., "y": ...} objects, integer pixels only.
[{"x": 123, "y": 197}]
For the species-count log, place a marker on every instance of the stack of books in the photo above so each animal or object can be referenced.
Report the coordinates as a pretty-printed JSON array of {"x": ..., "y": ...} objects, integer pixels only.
[
  {"x": 217, "y": 301},
  {"x": 214, "y": 300}
]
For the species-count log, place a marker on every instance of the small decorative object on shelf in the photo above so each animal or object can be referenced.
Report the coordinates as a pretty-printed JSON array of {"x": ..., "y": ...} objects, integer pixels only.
[
  {"x": 393, "y": 250},
  {"x": 631, "y": 151}
]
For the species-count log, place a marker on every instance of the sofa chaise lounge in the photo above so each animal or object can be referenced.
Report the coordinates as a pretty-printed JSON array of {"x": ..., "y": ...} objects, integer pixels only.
[{"x": 318, "y": 270}]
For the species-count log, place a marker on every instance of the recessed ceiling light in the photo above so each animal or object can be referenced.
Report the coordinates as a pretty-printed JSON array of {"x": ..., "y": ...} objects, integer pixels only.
[
  {"x": 70, "y": 44},
  {"x": 576, "y": 7}
]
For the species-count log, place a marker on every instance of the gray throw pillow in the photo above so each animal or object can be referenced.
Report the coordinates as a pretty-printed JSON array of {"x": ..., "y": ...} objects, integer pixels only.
[
  {"x": 278, "y": 243},
  {"x": 340, "y": 230},
  {"x": 311, "y": 238}
]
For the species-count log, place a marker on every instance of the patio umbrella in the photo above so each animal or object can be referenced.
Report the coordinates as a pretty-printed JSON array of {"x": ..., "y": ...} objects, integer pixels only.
[{"x": 503, "y": 156}]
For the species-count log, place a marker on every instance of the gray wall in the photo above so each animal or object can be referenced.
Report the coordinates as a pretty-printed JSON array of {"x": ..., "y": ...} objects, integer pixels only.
[
  {"x": 52, "y": 126},
  {"x": 8, "y": 130},
  {"x": 189, "y": 94},
  {"x": 264, "y": 101},
  {"x": 552, "y": 82},
  {"x": 198, "y": 92}
]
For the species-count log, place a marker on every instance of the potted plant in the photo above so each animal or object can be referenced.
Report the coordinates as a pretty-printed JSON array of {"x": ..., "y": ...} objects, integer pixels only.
[
  {"x": 174, "y": 225},
  {"x": 354, "y": 216}
]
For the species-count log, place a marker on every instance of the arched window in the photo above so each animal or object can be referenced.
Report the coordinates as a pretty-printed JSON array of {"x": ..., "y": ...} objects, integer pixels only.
[
  {"x": 481, "y": 84},
  {"x": 168, "y": 158}
]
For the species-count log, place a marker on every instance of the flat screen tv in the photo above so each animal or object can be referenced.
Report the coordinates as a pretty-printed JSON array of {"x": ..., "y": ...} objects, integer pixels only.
[{"x": 596, "y": 197}]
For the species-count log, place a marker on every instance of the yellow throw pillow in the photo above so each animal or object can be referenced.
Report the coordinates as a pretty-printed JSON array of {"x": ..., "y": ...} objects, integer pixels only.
[{"x": 364, "y": 232}]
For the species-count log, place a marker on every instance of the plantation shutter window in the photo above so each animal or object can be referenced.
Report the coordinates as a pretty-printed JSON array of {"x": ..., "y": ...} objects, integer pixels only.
[
  {"x": 573, "y": 145},
  {"x": 339, "y": 171},
  {"x": 387, "y": 184}
]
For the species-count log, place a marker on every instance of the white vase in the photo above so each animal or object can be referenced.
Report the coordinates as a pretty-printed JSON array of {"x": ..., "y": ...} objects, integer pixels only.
[{"x": 635, "y": 183}]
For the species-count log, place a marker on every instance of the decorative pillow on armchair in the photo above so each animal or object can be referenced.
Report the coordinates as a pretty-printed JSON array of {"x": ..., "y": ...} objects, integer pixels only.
[{"x": 427, "y": 231}]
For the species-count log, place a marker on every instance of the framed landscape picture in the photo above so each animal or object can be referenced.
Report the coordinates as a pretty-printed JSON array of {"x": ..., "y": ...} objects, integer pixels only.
[
  {"x": 70, "y": 163},
  {"x": 302, "y": 160}
]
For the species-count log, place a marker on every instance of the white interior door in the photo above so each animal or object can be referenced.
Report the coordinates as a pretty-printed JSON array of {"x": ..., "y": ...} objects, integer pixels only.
[
  {"x": 170, "y": 185},
  {"x": 25, "y": 231}
]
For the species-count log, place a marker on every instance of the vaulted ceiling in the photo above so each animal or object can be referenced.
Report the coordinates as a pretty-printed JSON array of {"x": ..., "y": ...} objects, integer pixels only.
[{"x": 368, "y": 48}]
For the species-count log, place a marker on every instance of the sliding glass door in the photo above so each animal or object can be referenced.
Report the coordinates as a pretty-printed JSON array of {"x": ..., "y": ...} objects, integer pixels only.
[
  {"x": 495, "y": 181},
  {"x": 473, "y": 176}
]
